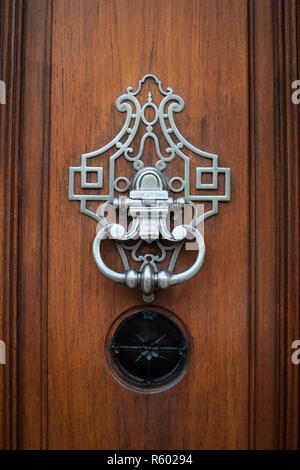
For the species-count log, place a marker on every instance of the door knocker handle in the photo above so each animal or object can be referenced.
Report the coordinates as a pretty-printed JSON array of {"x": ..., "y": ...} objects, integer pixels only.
[
  {"x": 147, "y": 279},
  {"x": 147, "y": 238}
]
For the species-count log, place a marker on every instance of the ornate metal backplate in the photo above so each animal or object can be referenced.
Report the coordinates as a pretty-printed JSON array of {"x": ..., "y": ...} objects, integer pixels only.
[{"x": 169, "y": 145}]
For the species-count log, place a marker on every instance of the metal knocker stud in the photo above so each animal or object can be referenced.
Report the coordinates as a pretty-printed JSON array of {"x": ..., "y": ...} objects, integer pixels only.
[{"x": 147, "y": 199}]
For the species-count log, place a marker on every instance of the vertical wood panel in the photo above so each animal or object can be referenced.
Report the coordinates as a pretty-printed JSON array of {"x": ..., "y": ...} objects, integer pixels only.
[
  {"x": 287, "y": 42},
  {"x": 292, "y": 399},
  {"x": 264, "y": 216},
  {"x": 33, "y": 234},
  {"x": 11, "y": 73},
  {"x": 107, "y": 48},
  {"x": 274, "y": 215}
]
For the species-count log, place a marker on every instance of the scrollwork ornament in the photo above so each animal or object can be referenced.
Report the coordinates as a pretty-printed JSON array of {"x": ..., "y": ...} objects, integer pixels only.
[{"x": 149, "y": 203}]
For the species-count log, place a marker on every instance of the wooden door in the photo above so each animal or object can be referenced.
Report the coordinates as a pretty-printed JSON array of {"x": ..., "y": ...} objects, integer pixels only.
[{"x": 65, "y": 62}]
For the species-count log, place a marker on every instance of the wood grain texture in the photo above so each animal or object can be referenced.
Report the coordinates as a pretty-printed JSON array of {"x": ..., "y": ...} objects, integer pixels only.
[
  {"x": 263, "y": 298},
  {"x": 208, "y": 408},
  {"x": 32, "y": 413},
  {"x": 287, "y": 157},
  {"x": 11, "y": 47},
  {"x": 232, "y": 61}
]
